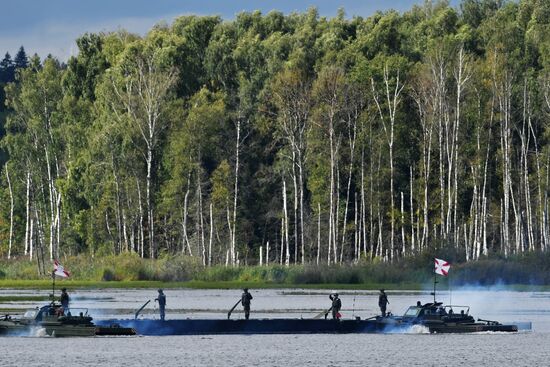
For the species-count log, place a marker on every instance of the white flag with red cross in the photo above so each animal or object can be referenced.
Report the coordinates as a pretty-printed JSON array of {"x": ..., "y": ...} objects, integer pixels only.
[
  {"x": 442, "y": 267},
  {"x": 59, "y": 270}
]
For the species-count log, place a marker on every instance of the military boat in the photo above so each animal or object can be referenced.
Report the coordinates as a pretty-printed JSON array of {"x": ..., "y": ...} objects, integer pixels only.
[
  {"x": 438, "y": 318},
  {"x": 51, "y": 320},
  {"x": 432, "y": 317}
]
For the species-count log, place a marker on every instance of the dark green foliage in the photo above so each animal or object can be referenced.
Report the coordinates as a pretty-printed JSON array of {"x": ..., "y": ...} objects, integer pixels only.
[
  {"x": 7, "y": 69},
  {"x": 21, "y": 60},
  {"x": 83, "y": 71},
  {"x": 312, "y": 97}
]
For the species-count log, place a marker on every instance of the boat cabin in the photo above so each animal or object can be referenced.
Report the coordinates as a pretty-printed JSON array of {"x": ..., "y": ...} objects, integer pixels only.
[
  {"x": 54, "y": 312},
  {"x": 436, "y": 311}
]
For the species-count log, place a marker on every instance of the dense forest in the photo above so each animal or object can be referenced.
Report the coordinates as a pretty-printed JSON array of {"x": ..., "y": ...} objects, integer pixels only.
[{"x": 286, "y": 139}]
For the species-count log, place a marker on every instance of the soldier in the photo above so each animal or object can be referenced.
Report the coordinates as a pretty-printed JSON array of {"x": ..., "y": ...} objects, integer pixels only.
[
  {"x": 382, "y": 302},
  {"x": 162, "y": 303},
  {"x": 245, "y": 300},
  {"x": 64, "y": 299},
  {"x": 336, "y": 306}
]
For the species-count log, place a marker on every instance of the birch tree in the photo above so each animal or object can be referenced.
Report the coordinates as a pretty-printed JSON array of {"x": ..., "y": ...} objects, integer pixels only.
[
  {"x": 142, "y": 85},
  {"x": 387, "y": 103}
]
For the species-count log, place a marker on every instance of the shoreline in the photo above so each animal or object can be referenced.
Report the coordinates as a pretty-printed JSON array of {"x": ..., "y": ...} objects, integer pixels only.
[{"x": 138, "y": 284}]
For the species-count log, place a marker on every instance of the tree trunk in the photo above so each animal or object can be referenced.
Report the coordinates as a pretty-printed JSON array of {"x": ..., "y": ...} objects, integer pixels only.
[
  {"x": 282, "y": 240},
  {"x": 236, "y": 191},
  {"x": 200, "y": 221},
  {"x": 267, "y": 253},
  {"x": 393, "y": 102},
  {"x": 301, "y": 186},
  {"x": 318, "y": 232},
  {"x": 285, "y": 220},
  {"x": 186, "y": 243},
  {"x": 11, "y": 212},
  {"x": 150, "y": 228},
  {"x": 352, "y": 129},
  {"x": 331, "y": 193},
  {"x": 28, "y": 216},
  {"x": 230, "y": 230},
  {"x": 140, "y": 222},
  {"x": 295, "y": 185},
  {"x": 211, "y": 236},
  {"x": 118, "y": 206},
  {"x": 52, "y": 205},
  {"x": 413, "y": 247},
  {"x": 403, "y": 250}
]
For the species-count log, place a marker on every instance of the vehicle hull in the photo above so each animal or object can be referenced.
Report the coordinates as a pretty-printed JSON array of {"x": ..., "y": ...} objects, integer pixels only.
[{"x": 293, "y": 326}]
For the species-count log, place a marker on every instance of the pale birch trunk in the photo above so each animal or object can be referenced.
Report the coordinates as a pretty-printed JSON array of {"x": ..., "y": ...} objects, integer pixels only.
[
  {"x": 261, "y": 256},
  {"x": 52, "y": 205},
  {"x": 504, "y": 95},
  {"x": 393, "y": 100},
  {"x": 364, "y": 205},
  {"x": 352, "y": 136},
  {"x": 230, "y": 230},
  {"x": 144, "y": 91},
  {"x": 28, "y": 216},
  {"x": 200, "y": 222},
  {"x": 282, "y": 240},
  {"x": 461, "y": 76},
  {"x": 403, "y": 239},
  {"x": 301, "y": 183},
  {"x": 293, "y": 99},
  {"x": 413, "y": 244},
  {"x": 267, "y": 253},
  {"x": 10, "y": 190},
  {"x": 210, "y": 238},
  {"x": 236, "y": 191},
  {"x": 141, "y": 230},
  {"x": 31, "y": 234},
  {"x": 357, "y": 231},
  {"x": 318, "y": 232},
  {"x": 118, "y": 206},
  {"x": 295, "y": 185},
  {"x": 285, "y": 227},
  {"x": 331, "y": 194},
  {"x": 336, "y": 225},
  {"x": 150, "y": 224},
  {"x": 185, "y": 237},
  {"x": 127, "y": 248}
]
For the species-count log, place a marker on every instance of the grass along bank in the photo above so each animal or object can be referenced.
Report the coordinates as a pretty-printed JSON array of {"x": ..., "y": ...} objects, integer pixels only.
[
  {"x": 47, "y": 284},
  {"x": 130, "y": 271}
]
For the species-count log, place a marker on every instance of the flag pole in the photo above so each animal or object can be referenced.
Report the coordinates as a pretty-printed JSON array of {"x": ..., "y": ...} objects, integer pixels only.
[
  {"x": 450, "y": 290},
  {"x": 434, "y": 279},
  {"x": 53, "y": 286}
]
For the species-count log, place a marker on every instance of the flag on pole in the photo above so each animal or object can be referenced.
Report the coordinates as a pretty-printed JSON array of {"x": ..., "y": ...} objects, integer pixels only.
[
  {"x": 59, "y": 270},
  {"x": 442, "y": 267}
]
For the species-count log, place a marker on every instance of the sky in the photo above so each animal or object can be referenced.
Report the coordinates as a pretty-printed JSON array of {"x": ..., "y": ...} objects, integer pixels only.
[{"x": 52, "y": 26}]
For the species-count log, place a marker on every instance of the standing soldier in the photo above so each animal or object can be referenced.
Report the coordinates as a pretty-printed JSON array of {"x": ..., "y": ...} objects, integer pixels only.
[
  {"x": 382, "y": 302},
  {"x": 64, "y": 299},
  {"x": 245, "y": 300},
  {"x": 162, "y": 304},
  {"x": 336, "y": 306}
]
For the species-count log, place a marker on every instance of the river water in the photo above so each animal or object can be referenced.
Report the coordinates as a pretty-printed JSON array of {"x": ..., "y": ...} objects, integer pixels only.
[{"x": 415, "y": 349}]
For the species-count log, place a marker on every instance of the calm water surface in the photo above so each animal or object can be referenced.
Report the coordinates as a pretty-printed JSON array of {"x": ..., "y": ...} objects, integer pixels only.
[{"x": 415, "y": 349}]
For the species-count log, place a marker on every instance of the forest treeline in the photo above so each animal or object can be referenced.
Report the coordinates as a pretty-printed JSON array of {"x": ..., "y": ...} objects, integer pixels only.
[{"x": 282, "y": 139}]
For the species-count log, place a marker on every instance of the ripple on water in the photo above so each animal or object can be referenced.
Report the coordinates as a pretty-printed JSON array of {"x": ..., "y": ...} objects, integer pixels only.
[
  {"x": 278, "y": 350},
  {"x": 415, "y": 348}
]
